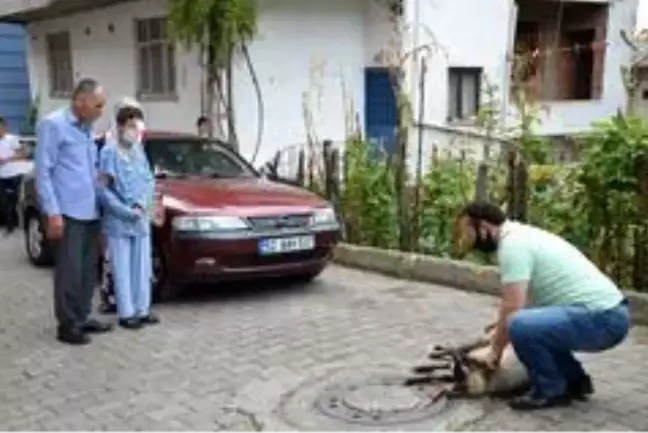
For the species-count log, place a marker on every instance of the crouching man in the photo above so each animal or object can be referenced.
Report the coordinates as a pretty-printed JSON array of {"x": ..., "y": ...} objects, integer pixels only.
[{"x": 554, "y": 302}]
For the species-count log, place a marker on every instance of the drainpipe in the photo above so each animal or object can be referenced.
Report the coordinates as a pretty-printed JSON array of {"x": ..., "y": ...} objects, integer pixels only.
[
  {"x": 510, "y": 49},
  {"x": 203, "y": 79},
  {"x": 415, "y": 43}
]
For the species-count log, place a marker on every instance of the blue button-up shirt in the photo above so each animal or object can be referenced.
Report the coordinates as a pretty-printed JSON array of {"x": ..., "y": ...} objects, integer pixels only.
[
  {"x": 66, "y": 175},
  {"x": 129, "y": 183}
]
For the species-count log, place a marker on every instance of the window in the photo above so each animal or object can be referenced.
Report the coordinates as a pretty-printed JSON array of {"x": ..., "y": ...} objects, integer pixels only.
[
  {"x": 463, "y": 96},
  {"x": 155, "y": 59},
  {"x": 194, "y": 158},
  {"x": 59, "y": 60},
  {"x": 572, "y": 70}
]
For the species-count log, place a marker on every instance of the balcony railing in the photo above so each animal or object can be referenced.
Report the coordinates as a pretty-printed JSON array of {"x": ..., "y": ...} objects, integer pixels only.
[{"x": 564, "y": 74}]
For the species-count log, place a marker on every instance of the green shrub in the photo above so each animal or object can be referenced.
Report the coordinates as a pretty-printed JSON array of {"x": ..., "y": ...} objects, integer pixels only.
[
  {"x": 368, "y": 197},
  {"x": 447, "y": 187}
]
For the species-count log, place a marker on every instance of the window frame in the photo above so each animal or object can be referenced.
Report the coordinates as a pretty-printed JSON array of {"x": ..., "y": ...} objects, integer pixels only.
[
  {"x": 169, "y": 75},
  {"x": 461, "y": 72},
  {"x": 56, "y": 55}
]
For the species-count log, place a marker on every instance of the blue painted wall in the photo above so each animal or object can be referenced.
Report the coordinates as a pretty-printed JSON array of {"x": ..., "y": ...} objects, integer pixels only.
[{"x": 15, "y": 97}]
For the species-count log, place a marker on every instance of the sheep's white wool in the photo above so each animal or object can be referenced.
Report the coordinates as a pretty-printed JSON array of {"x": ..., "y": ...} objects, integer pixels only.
[
  {"x": 476, "y": 383},
  {"x": 510, "y": 375}
]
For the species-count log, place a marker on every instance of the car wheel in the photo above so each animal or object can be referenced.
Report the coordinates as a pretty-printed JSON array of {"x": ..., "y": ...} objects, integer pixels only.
[
  {"x": 36, "y": 244},
  {"x": 163, "y": 289}
]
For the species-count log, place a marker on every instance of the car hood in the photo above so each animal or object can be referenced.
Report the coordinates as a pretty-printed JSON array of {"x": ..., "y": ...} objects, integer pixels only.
[{"x": 236, "y": 196}]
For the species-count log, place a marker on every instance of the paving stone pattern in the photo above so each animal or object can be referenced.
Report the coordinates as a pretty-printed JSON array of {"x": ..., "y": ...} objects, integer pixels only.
[{"x": 224, "y": 360}]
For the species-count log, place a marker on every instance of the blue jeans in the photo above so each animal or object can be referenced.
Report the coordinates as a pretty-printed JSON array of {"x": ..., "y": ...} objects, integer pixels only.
[{"x": 544, "y": 339}]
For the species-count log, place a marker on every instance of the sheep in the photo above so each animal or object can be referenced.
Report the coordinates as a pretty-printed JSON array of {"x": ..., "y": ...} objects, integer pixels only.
[{"x": 464, "y": 368}]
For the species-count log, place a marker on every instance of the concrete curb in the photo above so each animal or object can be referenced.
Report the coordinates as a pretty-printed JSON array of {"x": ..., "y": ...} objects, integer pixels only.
[{"x": 454, "y": 273}]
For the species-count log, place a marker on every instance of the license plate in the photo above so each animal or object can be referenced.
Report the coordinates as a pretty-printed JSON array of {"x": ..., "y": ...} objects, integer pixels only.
[{"x": 286, "y": 245}]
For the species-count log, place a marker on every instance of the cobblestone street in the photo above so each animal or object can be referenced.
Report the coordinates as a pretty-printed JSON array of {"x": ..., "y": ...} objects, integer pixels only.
[{"x": 244, "y": 350}]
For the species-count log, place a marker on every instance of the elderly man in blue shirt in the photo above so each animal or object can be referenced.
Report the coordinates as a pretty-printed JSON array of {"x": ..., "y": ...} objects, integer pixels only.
[{"x": 67, "y": 182}]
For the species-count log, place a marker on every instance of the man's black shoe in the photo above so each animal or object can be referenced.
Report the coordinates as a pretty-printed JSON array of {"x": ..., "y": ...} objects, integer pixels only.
[
  {"x": 93, "y": 326},
  {"x": 73, "y": 336},
  {"x": 130, "y": 323},
  {"x": 151, "y": 319},
  {"x": 531, "y": 402},
  {"x": 581, "y": 388}
]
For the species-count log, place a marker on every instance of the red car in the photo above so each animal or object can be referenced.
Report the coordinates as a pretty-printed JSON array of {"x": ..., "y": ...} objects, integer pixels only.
[{"x": 222, "y": 219}]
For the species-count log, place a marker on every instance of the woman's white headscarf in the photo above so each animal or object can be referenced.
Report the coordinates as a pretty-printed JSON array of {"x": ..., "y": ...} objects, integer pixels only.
[
  {"x": 128, "y": 101},
  {"x": 124, "y": 102}
]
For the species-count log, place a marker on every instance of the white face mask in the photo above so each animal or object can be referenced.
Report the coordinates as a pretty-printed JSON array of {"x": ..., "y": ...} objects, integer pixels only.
[
  {"x": 141, "y": 127},
  {"x": 130, "y": 136}
]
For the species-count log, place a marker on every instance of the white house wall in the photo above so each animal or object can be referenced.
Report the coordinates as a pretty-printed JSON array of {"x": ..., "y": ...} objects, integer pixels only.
[
  {"x": 110, "y": 58},
  {"x": 305, "y": 49},
  {"x": 463, "y": 33},
  {"x": 458, "y": 33},
  {"x": 303, "y": 46}
]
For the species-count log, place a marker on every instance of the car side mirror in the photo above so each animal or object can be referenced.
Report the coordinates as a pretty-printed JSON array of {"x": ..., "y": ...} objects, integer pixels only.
[{"x": 269, "y": 172}]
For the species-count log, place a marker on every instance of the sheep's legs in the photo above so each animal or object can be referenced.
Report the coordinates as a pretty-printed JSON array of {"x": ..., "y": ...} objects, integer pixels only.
[
  {"x": 451, "y": 372},
  {"x": 430, "y": 368},
  {"x": 429, "y": 379}
]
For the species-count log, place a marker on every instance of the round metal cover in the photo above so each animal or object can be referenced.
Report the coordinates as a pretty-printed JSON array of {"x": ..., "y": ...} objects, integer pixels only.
[
  {"x": 381, "y": 400},
  {"x": 374, "y": 399}
]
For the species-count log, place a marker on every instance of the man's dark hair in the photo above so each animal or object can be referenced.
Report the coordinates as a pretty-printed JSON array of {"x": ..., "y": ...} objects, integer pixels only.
[
  {"x": 201, "y": 121},
  {"x": 484, "y": 211},
  {"x": 3, "y": 121},
  {"x": 85, "y": 86},
  {"x": 125, "y": 114}
]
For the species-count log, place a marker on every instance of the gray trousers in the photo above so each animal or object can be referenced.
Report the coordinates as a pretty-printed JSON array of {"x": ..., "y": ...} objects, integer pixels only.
[{"x": 75, "y": 276}]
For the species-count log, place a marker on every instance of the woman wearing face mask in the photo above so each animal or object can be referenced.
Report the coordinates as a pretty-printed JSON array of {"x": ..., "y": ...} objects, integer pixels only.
[
  {"x": 127, "y": 195},
  {"x": 107, "y": 304}
]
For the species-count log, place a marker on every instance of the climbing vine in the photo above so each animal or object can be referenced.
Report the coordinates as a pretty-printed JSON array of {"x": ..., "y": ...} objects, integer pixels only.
[{"x": 221, "y": 28}]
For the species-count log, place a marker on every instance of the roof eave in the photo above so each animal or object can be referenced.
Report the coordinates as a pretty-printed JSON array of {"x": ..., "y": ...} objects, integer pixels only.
[{"x": 49, "y": 9}]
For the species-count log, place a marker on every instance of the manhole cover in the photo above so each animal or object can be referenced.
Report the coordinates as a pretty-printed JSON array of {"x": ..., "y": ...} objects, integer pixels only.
[
  {"x": 382, "y": 400},
  {"x": 373, "y": 399}
]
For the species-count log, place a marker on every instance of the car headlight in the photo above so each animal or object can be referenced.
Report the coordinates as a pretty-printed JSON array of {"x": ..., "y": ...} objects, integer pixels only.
[
  {"x": 324, "y": 216},
  {"x": 208, "y": 223}
]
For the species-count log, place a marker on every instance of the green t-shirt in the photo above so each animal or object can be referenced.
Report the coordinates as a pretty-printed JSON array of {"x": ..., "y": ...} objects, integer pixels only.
[{"x": 557, "y": 272}]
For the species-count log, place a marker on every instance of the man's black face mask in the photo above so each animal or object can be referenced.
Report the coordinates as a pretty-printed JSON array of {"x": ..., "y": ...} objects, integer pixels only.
[{"x": 485, "y": 244}]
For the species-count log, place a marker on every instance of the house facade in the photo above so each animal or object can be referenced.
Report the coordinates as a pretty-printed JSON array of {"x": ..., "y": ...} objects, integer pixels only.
[
  {"x": 15, "y": 96},
  {"x": 307, "y": 52},
  {"x": 319, "y": 65},
  {"x": 567, "y": 55}
]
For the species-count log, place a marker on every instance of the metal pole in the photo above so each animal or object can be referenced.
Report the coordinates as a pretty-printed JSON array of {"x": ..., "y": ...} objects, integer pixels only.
[{"x": 419, "y": 157}]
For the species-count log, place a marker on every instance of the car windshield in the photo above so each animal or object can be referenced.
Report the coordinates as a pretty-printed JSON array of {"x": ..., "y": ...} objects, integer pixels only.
[{"x": 183, "y": 158}]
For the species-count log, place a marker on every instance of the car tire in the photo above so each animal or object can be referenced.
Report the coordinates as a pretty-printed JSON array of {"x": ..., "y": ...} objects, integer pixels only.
[
  {"x": 163, "y": 289},
  {"x": 37, "y": 246}
]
